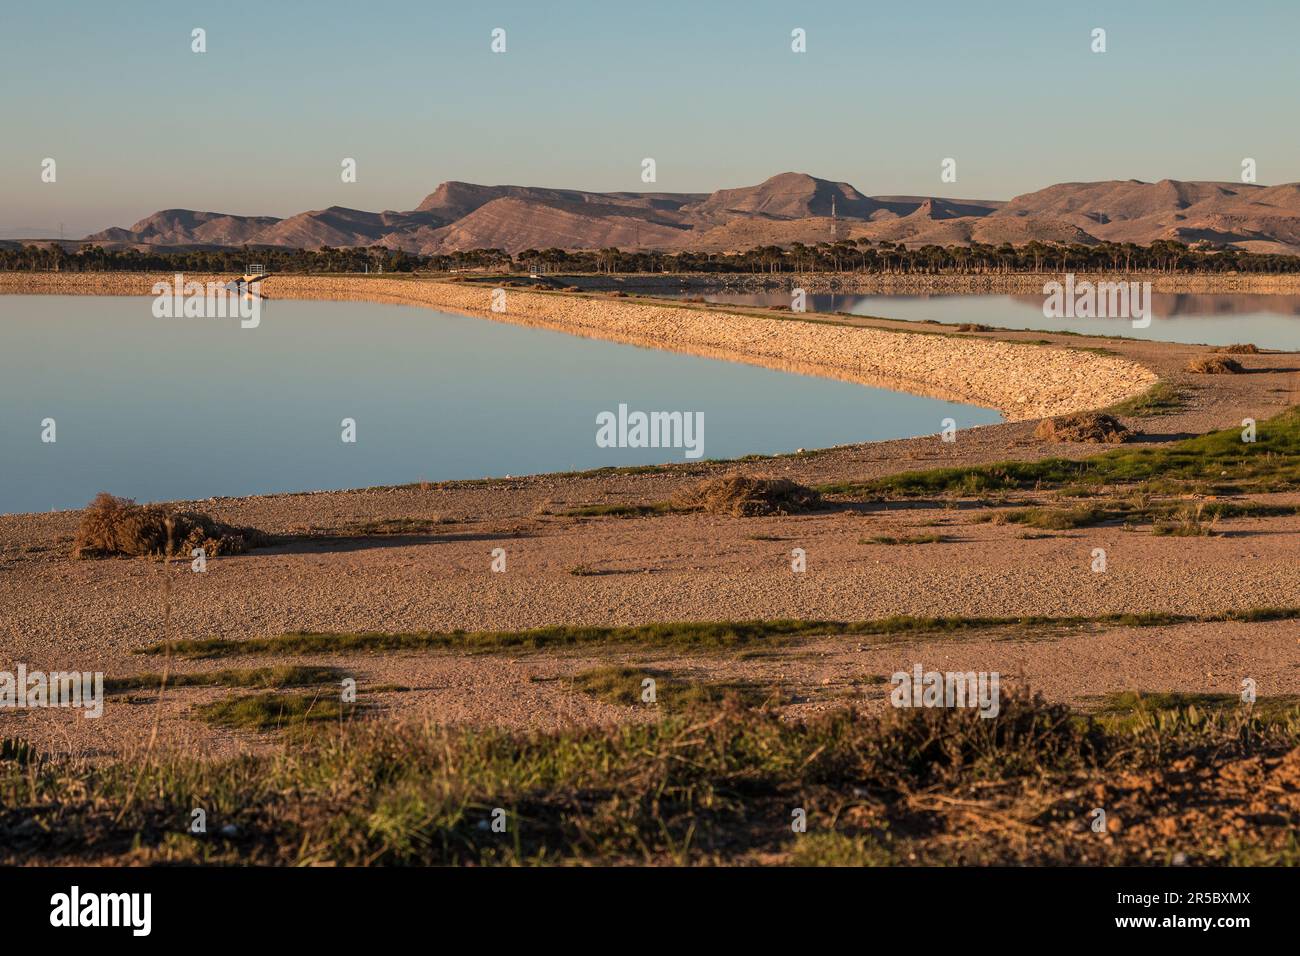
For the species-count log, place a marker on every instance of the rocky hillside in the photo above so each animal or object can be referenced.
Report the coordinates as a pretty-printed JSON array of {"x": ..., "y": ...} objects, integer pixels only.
[{"x": 790, "y": 207}]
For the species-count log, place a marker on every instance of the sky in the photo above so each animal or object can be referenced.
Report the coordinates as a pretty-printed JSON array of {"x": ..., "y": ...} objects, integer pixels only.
[{"x": 710, "y": 89}]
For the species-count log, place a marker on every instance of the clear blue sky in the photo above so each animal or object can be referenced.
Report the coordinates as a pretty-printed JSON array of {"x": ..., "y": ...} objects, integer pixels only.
[{"x": 711, "y": 90}]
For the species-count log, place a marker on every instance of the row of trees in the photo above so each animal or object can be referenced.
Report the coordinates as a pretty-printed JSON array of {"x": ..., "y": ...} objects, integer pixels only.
[
  {"x": 92, "y": 258},
  {"x": 864, "y": 255},
  {"x": 846, "y": 255}
]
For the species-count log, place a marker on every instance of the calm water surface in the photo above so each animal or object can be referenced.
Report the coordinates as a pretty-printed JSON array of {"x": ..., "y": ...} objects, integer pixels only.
[
  {"x": 163, "y": 409},
  {"x": 1269, "y": 321}
]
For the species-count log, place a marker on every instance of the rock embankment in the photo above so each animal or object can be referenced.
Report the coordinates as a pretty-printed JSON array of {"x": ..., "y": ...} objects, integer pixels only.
[
  {"x": 1021, "y": 380},
  {"x": 1011, "y": 283}
]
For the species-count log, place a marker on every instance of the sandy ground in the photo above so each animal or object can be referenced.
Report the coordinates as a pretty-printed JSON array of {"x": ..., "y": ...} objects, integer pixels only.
[{"x": 56, "y": 612}]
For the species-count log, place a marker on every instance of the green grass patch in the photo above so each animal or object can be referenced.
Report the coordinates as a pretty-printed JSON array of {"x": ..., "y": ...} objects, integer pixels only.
[
  {"x": 1048, "y": 519},
  {"x": 1161, "y": 398},
  {"x": 1186, "y": 522},
  {"x": 835, "y": 849},
  {"x": 703, "y": 785},
  {"x": 262, "y": 677},
  {"x": 1137, "y": 711},
  {"x": 685, "y": 635},
  {"x": 1218, "y": 461},
  {"x": 626, "y": 687},
  {"x": 1165, "y": 518},
  {"x": 387, "y": 526},
  {"x": 271, "y": 711},
  {"x": 618, "y": 511},
  {"x": 688, "y": 634},
  {"x": 906, "y": 539}
]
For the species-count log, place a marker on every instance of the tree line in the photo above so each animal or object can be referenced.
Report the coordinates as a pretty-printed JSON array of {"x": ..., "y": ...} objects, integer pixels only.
[{"x": 845, "y": 255}]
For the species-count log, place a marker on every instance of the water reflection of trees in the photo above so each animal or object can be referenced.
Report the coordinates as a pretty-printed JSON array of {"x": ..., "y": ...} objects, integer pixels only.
[{"x": 1169, "y": 305}]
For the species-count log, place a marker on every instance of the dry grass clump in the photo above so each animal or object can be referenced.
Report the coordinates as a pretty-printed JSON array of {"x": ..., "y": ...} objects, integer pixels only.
[
  {"x": 112, "y": 526},
  {"x": 1241, "y": 348},
  {"x": 1215, "y": 365},
  {"x": 973, "y": 327},
  {"x": 1083, "y": 427},
  {"x": 1187, "y": 522},
  {"x": 744, "y": 497},
  {"x": 890, "y": 539}
]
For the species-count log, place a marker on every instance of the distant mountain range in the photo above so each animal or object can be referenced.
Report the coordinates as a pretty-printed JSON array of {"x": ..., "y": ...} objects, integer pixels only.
[{"x": 790, "y": 207}]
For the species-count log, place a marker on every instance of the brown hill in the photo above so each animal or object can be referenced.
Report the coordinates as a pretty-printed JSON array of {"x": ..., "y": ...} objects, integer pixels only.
[
  {"x": 340, "y": 226},
  {"x": 185, "y": 226},
  {"x": 995, "y": 231},
  {"x": 1103, "y": 202},
  {"x": 1237, "y": 214},
  {"x": 455, "y": 200},
  {"x": 787, "y": 208},
  {"x": 785, "y": 196},
  {"x": 517, "y": 224}
]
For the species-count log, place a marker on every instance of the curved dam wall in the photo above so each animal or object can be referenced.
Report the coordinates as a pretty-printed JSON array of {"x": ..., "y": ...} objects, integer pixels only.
[{"x": 1021, "y": 380}]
